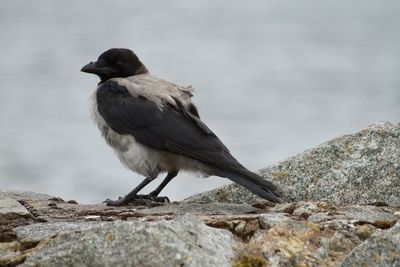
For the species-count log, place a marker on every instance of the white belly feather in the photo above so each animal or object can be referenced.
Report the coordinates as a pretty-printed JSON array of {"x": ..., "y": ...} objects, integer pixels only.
[{"x": 141, "y": 159}]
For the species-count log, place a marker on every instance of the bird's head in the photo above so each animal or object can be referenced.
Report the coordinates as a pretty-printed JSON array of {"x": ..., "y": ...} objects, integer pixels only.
[{"x": 115, "y": 63}]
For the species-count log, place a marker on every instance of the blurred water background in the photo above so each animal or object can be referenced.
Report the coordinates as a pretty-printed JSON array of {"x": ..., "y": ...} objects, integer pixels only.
[{"x": 272, "y": 79}]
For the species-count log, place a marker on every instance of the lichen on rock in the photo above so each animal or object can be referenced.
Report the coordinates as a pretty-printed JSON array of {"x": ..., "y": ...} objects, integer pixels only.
[{"x": 342, "y": 210}]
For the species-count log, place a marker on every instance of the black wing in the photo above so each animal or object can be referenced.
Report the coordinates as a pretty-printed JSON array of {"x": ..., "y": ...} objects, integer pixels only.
[{"x": 175, "y": 129}]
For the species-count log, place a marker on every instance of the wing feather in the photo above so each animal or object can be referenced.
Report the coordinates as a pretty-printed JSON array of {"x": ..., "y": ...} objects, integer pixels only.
[{"x": 174, "y": 129}]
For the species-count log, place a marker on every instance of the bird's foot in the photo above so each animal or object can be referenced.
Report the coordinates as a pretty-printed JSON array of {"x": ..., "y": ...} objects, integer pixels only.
[
  {"x": 162, "y": 199},
  {"x": 138, "y": 200},
  {"x": 119, "y": 202}
]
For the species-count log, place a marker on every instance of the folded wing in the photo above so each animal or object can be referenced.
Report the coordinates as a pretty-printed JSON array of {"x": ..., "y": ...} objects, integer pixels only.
[{"x": 175, "y": 129}]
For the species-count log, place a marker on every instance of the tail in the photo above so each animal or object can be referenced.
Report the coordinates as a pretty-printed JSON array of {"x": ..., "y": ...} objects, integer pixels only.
[{"x": 254, "y": 183}]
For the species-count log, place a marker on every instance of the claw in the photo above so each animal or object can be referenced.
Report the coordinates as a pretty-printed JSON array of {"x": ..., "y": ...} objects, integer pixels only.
[
  {"x": 119, "y": 202},
  {"x": 162, "y": 199}
]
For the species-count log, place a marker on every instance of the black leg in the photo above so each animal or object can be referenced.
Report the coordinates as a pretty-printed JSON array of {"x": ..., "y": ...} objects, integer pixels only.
[
  {"x": 166, "y": 180},
  {"x": 130, "y": 196}
]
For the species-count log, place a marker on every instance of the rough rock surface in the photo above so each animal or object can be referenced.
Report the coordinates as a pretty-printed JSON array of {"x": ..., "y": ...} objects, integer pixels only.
[
  {"x": 185, "y": 241},
  {"x": 21, "y": 195},
  {"x": 352, "y": 218},
  {"x": 197, "y": 234},
  {"x": 11, "y": 208},
  {"x": 360, "y": 168},
  {"x": 381, "y": 249}
]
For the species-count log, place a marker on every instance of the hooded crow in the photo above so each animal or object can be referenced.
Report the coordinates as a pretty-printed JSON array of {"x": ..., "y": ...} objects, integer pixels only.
[{"x": 154, "y": 127}]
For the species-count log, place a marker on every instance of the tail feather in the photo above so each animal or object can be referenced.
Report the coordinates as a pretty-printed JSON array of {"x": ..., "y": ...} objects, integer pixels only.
[{"x": 254, "y": 183}]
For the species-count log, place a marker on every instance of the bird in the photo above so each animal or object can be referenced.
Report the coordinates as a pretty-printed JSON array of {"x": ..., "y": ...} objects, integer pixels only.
[{"x": 154, "y": 127}]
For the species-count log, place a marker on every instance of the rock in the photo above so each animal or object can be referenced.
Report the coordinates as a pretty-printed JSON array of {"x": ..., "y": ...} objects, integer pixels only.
[
  {"x": 376, "y": 216},
  {"x": 228, "y": 194},
  {"x": 288, "y": 242},
  {"x": 326, "y": 222},
  {"x": 9, "y": 250},
  {"x": 381, "y": 249},
  {"x": 360, "y": 168},
  {"x": 201, "y": 209},
  {"x": 11, "y": 209},
  {"x": 21, "y": 195},
  {"x": 357, "y": 215},
  {"x": 185, "y": 241},
  {"x": 364, "y": 231},
  {"x": 288, "y": 234},
  {"x": 356, "y": 223},
  {"x": 40, "y": 231},
  {"x": 267, "y": 221},
  {"x": 306, "y": 210},
  {"x": 324, "y": 239}
]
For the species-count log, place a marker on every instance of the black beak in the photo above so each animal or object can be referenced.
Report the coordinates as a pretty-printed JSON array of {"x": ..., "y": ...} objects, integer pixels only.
[{"x": 90, "y": 68}]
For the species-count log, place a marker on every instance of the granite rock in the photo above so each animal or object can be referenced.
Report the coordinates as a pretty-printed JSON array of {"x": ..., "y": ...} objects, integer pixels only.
[
  {"x": 215, "y": 234},
  {"x": 382, "y": 249},
  {"x": 21, "y": 195},
  {"x": 343, "y": 207},
  {"x": 360, "y": 168},
  {"x": 12, "y": 209},
  {"x": 185, "y": 241}
]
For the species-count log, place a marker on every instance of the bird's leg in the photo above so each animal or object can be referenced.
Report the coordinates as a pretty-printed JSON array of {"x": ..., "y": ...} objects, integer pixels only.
[
  {"x": 133, "y": 196},
  {"x": 130, "y": 196},
  {"x": 154, "y": 194}
]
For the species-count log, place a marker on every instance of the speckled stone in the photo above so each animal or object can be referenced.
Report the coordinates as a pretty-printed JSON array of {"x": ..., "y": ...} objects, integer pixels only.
[
  {"x": 185, "y": 241},
  {"x": 21, "y": 195},
  {"x": 213, "y": 234},
  {"x": 11, "y": 209},
  {"x": 8, "y": 250},
  {"x": 355, "y": 215},
  {"x": 382, "y": 249},
  {"x": 360, "y": 168}
]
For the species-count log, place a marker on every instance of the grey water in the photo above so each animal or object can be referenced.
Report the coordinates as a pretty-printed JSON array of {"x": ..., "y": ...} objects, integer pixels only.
[{"x": 272, "y": 79}]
